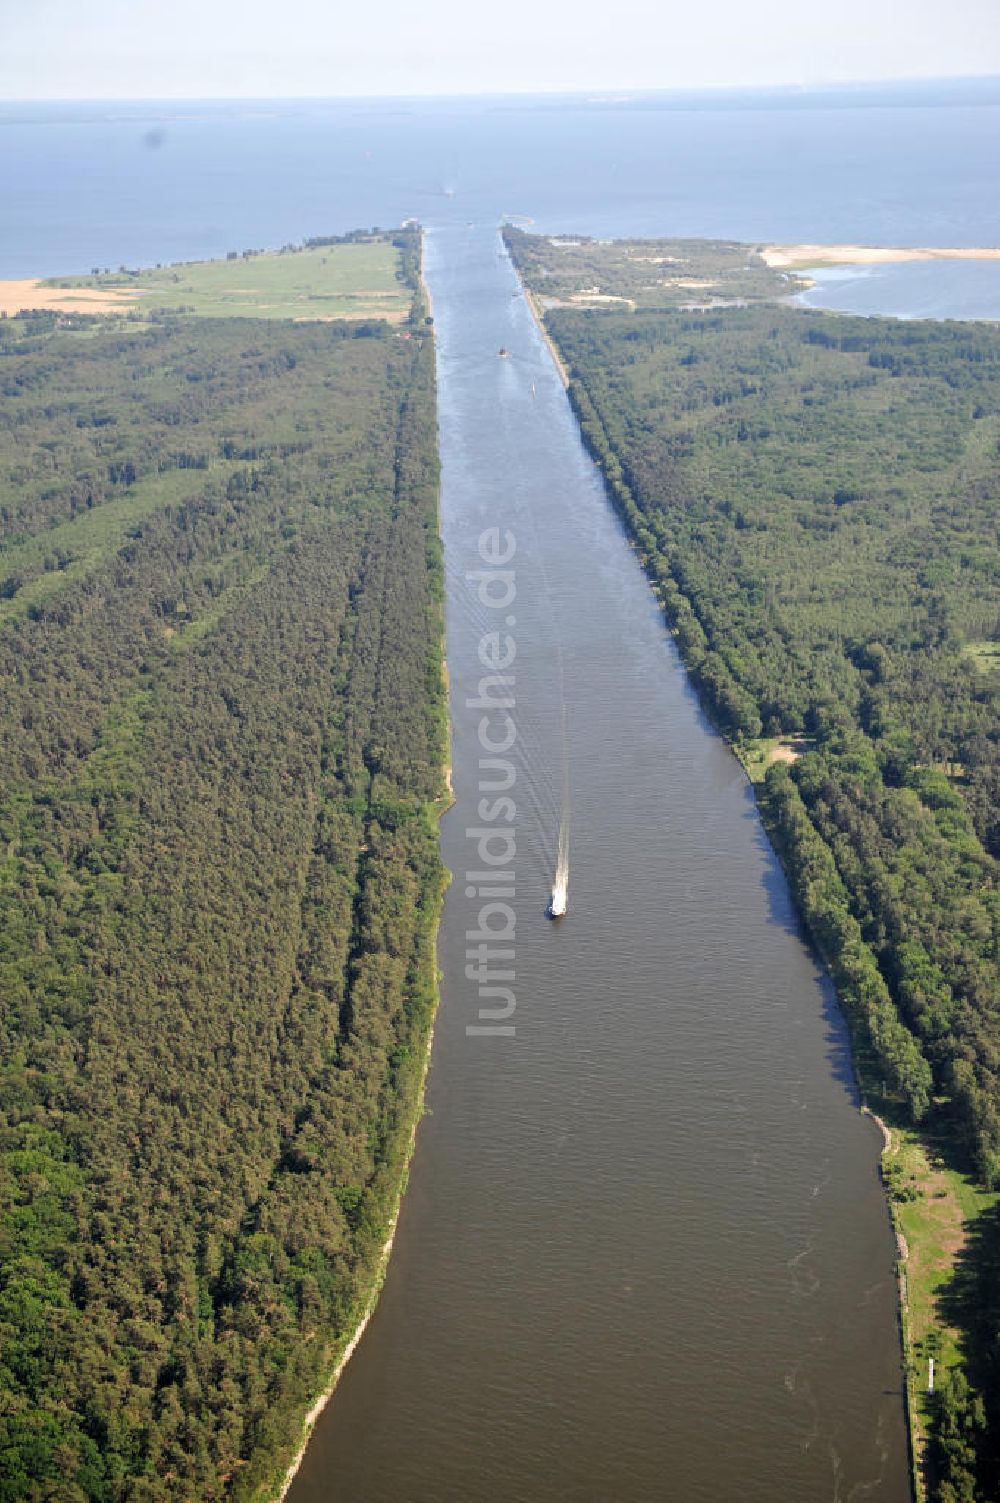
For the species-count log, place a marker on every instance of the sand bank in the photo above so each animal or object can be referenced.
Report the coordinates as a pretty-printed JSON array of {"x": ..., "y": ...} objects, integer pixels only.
[{"x": 788, "y": 256}]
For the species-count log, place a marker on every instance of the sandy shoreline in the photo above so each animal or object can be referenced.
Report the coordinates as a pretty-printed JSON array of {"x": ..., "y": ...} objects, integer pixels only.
[
  {"x": 29, "y": 294},
  {"x": 423, "y": 285},
  {"x": 369, "y": 1310},
  {"x": 787, "y": 257},
  {"x": 349, "y": 1350},
  {"x": 539, "y": 320},
  {"x": 386, "y": 1252}
]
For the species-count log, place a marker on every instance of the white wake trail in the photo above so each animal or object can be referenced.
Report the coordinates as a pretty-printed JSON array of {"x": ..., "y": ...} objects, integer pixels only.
[{"x": 559, "y": 901}]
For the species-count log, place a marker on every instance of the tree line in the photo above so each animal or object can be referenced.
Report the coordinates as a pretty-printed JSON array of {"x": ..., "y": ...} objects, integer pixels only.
[
  {"x": 814, "y": 500},
  {"x": 221, "y": 739}
]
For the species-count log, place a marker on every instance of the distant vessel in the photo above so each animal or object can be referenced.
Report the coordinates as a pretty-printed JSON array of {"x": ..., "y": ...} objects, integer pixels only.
[
  {"x": 559, "y": 900},
  {"x": 558, "y": 903},
  {"x": 504, "y": 352}
]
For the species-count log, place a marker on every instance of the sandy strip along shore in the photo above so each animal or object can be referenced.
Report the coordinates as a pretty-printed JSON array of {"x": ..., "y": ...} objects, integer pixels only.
[
  {"x": 783, "y": 256},
  {"x": 539, "y": 318}
]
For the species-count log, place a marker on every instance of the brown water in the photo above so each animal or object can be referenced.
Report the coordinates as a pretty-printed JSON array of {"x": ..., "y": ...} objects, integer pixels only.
[{"x": 644, "y": 1253}]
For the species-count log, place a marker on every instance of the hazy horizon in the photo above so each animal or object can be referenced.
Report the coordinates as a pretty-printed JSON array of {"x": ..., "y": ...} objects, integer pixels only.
[
  {"x": 132, "y": 50},
  {"x": 609, "y": 95}
]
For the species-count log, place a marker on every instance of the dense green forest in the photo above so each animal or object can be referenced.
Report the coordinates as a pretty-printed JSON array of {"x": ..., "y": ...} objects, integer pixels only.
[
  {"x": 221, "y": 740},
  {"x": 815, "y": 501}
]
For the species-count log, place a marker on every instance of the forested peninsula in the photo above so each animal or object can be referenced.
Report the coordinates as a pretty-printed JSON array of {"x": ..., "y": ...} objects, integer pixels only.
[
  {"x": 222, "y": 733},
  {"x": 814, "y": 498}
]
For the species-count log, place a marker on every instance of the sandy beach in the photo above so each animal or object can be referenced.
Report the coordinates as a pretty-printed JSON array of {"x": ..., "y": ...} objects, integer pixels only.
[
  {"x": 348, "y": 1353},
  {"x": 369, "y": 1309},
  {"x": 540, "y": 321},
  {"x": 792, "y": 256}
]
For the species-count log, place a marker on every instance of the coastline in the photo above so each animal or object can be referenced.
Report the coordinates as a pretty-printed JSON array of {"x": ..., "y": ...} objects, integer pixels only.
[
  {"x": 794, "y": 257},
  {"x": 309, "y": 1423},
  {"x": 438, "y": 808},
  {"x": 425, "y": 291},
  {"x": 916, "y": 1438},
  {"x": 550, "y": 343},
  {"x": 351, "y": 1347},
  {"x": 619, "y": 498}
]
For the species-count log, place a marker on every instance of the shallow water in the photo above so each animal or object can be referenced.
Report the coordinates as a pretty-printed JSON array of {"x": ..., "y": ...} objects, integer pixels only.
[{"x": 909, "y": 289}]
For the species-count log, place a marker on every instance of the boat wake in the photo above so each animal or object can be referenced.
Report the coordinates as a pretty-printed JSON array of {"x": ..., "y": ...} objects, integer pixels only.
[{"x": 559, "y": 901}]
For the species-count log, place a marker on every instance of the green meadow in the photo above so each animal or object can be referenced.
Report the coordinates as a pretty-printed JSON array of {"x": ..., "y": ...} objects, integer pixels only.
[{"x": 357, "y": 279}]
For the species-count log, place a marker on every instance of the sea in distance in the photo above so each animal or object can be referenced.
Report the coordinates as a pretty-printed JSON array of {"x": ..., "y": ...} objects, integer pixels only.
[
  {"x": 644, "y": 1251},
  {"x": 104, "y": 184}
]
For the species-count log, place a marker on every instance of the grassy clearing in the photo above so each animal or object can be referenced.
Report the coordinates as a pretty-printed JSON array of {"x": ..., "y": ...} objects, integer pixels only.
[
  {"x": 757, "y": 756},
  {"x": 74, "y": 549},
  {"x": 200, "y": 626},
  {"x": 934, "y": 1208},
  {"x": 935, "y": 1205},
  {"x": 361, "y": 279},
  {"x": 985, "y": 655}
]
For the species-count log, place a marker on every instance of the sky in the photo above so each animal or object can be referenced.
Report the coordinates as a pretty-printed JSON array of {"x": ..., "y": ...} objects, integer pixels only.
[{"x": 131, "y": 49}]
